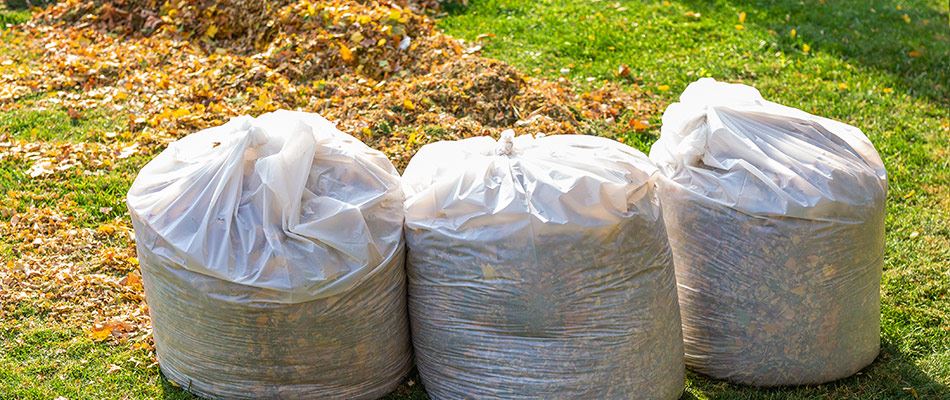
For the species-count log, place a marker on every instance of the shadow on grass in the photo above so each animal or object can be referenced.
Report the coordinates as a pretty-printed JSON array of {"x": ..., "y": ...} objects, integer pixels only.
[
  {"x": 27, "y": 4},
  {"x": 409, "y": 389},
  {"x": 891, "y": 376},
  {"x": 911, "y": 42}
]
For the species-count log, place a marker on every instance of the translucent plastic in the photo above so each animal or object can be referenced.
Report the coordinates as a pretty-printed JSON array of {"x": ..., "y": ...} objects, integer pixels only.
[
  {"x": 776, "y": 221},
  {"x": 272, "y": 257},
  {"x": 540, "y": 269}
]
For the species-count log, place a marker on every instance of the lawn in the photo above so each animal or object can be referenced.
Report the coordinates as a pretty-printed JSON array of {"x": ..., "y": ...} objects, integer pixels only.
[{"x": 883, "y": 66}]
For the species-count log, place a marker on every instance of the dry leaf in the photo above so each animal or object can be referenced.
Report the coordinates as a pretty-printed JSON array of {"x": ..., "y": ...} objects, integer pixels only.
[{"x": 346, "y": 53}]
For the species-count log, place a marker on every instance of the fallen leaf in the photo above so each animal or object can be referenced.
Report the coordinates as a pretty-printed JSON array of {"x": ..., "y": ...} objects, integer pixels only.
[
  {"x": 132, "y": 280},
  {"x": 101, "y": 332},
  {"x": 623, "y": 71},
  {"x": 143, "y": 345},
  {"x": 346, "y": 53},
  {"x": 915, "y": 53},
  {"x": 638, "y": 124},
  {"x": 663, "y": 88},
  {"x": 742, "y": 17},
  {"x": 129, "y": 150},
  {"x": 106, "y": 229}
]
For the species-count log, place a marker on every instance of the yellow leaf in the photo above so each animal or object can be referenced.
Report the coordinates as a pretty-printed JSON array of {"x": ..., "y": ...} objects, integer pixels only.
[
  {"x": 143, "y": 345},
  {"x": 133, "y": 261},
  {"x": 906, "y": 18},
  {"x": 793, "y": 33},
  {"x": 346, "y": 53},
  {"x": 488, "y": 272},
  {"x": 742, "y": 17},
  {"x": 212, "y": 30},
  {"x": 395, "y": 15},
  {"x": 843, "y": 86},
  {"x": 407, "y": 104},
  {"x": 663, "y": 88},
  {"x": 806, "y": 48},
  {"x": 100, "y": 333},
  {"x": 739, "y": 27},
  {"x": 106, "y": 229},
  {"x": 887, "y": 90}
]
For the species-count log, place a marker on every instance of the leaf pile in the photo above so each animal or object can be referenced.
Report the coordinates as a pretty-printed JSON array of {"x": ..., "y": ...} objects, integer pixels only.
[{"x": 164, "y": 69}]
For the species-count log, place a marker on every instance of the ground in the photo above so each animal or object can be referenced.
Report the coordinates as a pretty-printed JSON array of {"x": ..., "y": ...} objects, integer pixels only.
[{"x": 72, "y": 321}]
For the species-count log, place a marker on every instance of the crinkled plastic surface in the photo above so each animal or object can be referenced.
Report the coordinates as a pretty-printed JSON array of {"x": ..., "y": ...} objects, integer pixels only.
[
  {"x": 272, "y": 257},
  {"x": 540, "y": 269},
  {"x": 776, "y": 221}
]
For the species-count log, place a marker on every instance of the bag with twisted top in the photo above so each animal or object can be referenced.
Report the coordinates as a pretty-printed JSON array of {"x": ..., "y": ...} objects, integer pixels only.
[
  {"x": 539, "y": 268},
  {"x": 272, "y": 257}
]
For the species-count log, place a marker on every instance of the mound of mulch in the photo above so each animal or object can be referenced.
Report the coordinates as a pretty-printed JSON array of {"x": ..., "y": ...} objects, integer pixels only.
[
  {"x": 165, "y": 69},
  {"x": 378, "y": 68}
]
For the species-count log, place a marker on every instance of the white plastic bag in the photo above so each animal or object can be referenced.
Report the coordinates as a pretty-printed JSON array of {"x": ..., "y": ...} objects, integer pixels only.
[
  {"x": 272, "y": 258},
  {"x": 776, "y": 220},
  {"x": 540, "y": 269}
]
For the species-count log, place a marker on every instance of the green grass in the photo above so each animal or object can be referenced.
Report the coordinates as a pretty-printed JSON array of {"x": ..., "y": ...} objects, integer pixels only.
[
  {"x": 39, "y": 360},
  {"x": 858, "y": 69},
  {"x": 13, "y": 17},
  {"x": 58, "y": 124}
]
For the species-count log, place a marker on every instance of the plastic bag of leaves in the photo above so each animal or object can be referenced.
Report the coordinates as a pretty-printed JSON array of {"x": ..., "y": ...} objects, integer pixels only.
[
  {"x": 776, "y": 220},
  {"x": 272, "y": 258},
  {"x": 540, "y": 269}
]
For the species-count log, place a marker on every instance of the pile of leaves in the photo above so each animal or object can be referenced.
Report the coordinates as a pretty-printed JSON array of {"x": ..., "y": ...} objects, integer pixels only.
[{"x": 164, "y": 69}]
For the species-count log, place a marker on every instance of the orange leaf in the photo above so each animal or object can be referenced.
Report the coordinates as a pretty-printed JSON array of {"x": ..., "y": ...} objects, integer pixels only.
[
  {"x": 346, "y": 53},
  {"x": 638, "y": 125},
  {"x": 132, "y": 280}
]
